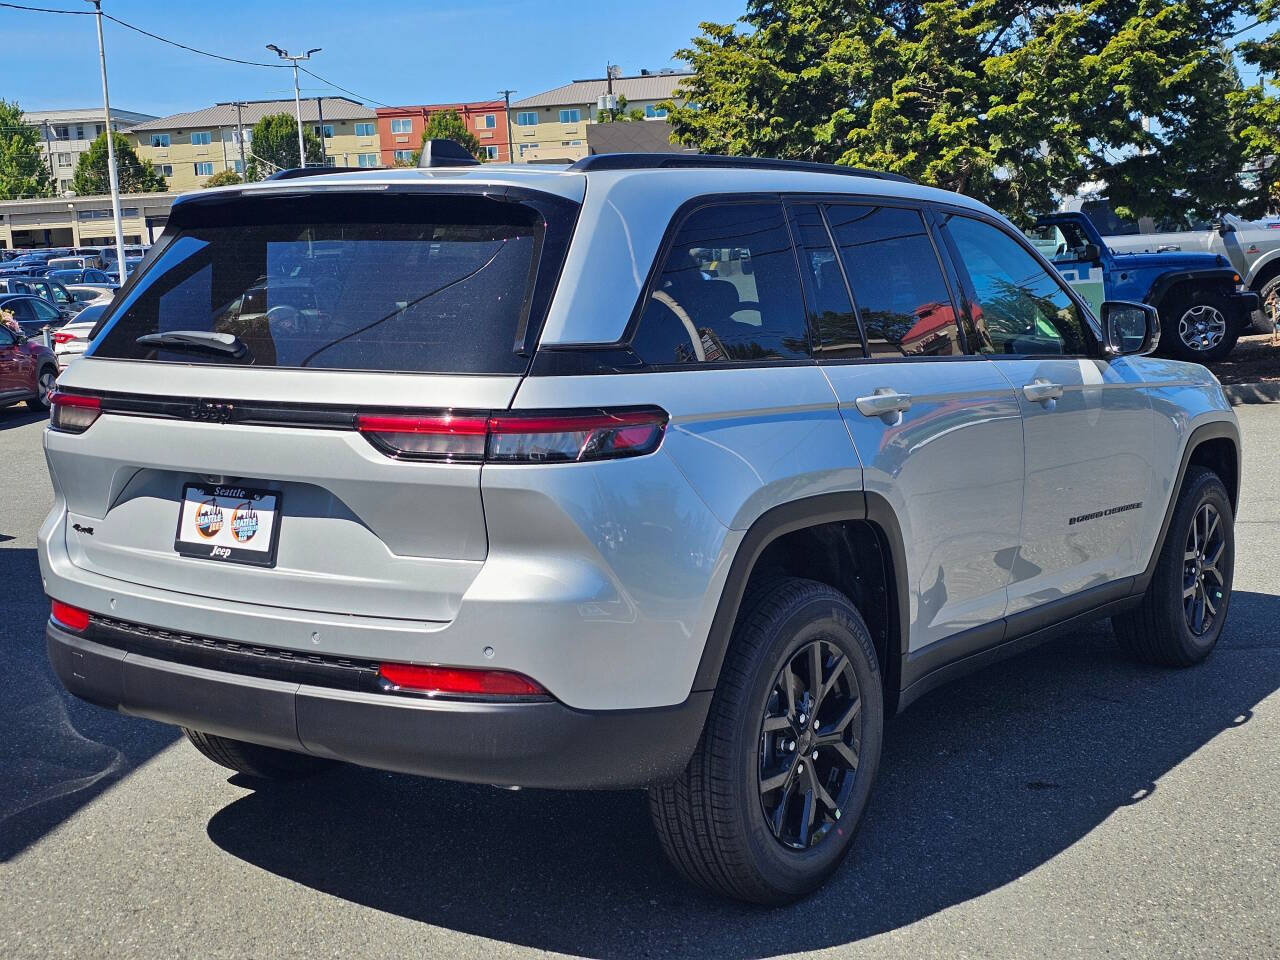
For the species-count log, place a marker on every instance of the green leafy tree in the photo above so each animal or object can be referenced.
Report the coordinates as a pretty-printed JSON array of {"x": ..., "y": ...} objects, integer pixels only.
[
  {"x": 224, "y": 178},
  {"x": 23, "y": 169},
  {"x": 134, "y": 174},
  {"x": 620, "y": 114},
  {"x": 275, "y": 146},
  {"x": 449, "y": 125},
  {"x": 1004, "y": 100},
  {"x": 1258, "y": 110}
]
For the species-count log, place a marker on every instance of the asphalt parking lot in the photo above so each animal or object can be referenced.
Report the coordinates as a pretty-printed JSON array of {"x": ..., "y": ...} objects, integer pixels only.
[{"x": 1068, "y": 803}]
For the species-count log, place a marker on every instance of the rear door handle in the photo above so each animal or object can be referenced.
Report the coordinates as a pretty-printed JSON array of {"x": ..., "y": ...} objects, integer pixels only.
[
  {"x": 884, "y": 403},
  {"x": 1042, "y": 391}
]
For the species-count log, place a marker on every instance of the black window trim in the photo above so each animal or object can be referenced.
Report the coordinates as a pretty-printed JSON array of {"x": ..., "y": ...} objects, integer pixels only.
[{"x": 966, "y": 283}]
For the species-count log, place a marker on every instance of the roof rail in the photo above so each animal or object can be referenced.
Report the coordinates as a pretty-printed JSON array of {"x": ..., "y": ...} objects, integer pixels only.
[
  {"x": 651, "y": 161},
  {"x": 297, "y": 172}
]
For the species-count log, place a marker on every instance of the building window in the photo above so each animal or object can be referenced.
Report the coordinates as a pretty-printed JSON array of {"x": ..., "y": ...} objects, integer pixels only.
[
  {"x": 61, "y": 132},
  {"x": 491, "y": 153},
  {"x": 570, "y": 116},
  {"x": 651, "y": 112},
  {"x": 364, "y": 129},
  {"x": 328, "y": 130},
  {"x": 79, "y": 131},
  {"x": 404, "y": 156},
  {"x": 528, "y": 119},
  {"x": 64, "y": 159},
  {"x": 527, "y": 146},
  {"x": 204, "y": 169},
  {"x": 64, "y": 186},
  {"x": 160, "y": 140},
  {"x": 97, "y": 129},
  {"x": 237, "y": 166},
  {"x": 367, "y": 160},
  {"x": 236, "y": 134},
  {"x": 486, "y": 122},
  {"x": 200, "y": 139},
  {"x": 166, "y": 169},
  {"x": 402, "y": 125}
]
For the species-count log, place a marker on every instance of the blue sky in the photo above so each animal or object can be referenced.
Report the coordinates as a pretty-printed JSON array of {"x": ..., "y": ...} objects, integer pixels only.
[{"x": 394, "y": 51}]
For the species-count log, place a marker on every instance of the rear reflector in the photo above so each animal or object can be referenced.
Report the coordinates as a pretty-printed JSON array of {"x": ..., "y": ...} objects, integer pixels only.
[
  {"x": 65, "y": 615},
  {"x": 458, "y": 681},
  {"x": 571, "y": 436},
  {"x": 73, "y": 412}
]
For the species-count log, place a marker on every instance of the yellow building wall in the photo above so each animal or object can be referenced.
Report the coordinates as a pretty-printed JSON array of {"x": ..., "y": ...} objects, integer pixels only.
[
  {"x": 177, "y": 162},
  {"x": 556, "y": 140}
]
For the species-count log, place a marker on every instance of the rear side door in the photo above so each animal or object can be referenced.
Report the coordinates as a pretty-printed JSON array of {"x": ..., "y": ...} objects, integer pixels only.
[
  {"x": 1087, "y": 422},
  {"x": 937, "y": 429}
]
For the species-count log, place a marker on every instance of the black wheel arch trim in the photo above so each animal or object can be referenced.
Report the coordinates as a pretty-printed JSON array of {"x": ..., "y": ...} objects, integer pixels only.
[{"x": 1167, "y": 281}]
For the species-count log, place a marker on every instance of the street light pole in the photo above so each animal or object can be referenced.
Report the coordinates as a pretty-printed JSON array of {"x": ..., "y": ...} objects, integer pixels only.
[
  {"x": 297, "y": 93},
  {"x": 506, "y": 97},
  {"x": 111, "y": 148}
]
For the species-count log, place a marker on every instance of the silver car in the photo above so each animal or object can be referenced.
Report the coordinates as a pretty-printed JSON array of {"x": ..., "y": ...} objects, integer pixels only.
[{"x": 676, "y": 472}]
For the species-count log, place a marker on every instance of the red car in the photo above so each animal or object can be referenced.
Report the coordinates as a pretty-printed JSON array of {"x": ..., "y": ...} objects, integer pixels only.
[{"x": 28, "y": 370}]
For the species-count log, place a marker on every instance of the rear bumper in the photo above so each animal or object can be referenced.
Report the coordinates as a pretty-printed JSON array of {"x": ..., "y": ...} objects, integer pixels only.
[{"x": 532, "y": 744}]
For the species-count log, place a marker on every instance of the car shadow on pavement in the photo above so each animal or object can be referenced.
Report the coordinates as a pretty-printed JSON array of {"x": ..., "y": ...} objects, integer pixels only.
[
  {"x": 11, "y": 417},
  {"x": 57, "y": 753},
  {"x": 981, "y": 782}
]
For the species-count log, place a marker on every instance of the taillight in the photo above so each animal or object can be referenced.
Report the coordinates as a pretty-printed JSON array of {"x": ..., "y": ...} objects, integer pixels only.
[
  {"x": 571, "y": 436},
  {"x": 63, "y": 337},
  {"x": 65, "y": 615},
  {"x": 458, "y": 681},
  {"x": 73, "y": 412}
]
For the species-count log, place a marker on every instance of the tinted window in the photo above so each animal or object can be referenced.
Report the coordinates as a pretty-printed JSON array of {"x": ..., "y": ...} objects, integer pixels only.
[
  {"x": 438, "y": 284},
  {"x": 831, "y": 315},
  {"x": 1018, "y": 308},
  {"x": 728, "y": 290},
  {"x": 897, "y": 281}
]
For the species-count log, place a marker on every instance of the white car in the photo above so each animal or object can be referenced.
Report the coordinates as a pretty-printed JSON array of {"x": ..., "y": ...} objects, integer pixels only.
[
  {"x": 85, "y": 294},
  {"x": 72, "y": 339}
]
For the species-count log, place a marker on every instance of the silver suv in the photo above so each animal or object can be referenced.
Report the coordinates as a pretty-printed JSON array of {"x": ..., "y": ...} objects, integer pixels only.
[{"x": 684, "y": 473}]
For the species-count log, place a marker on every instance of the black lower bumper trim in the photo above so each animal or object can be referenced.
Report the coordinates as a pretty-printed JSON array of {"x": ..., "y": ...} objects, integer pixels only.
[{"x": 531, "y": 744}]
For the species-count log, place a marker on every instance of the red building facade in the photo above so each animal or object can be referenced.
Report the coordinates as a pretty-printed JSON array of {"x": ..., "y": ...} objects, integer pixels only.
[{"x": 400, "y": 128}]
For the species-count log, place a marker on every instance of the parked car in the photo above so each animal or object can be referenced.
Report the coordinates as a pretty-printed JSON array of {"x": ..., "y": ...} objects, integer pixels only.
[
  {"x": 90, "y": 275},
  {"x": 1201, "y": 298},
  {"x": 33, "y": 314},
  {"x": 53, "y": 291},
  {"x": 85, "y": 294},
  {"x": 677, "y": 472},
  {"x": 16, "y": 284},
  {"x": 92, "y": 262},
  {"x": 28, "y": 370},
  {"x": 71, "y": 339}
]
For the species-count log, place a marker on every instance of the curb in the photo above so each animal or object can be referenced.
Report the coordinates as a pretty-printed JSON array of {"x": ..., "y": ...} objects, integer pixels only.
[{"x": 1266, "y": 391}]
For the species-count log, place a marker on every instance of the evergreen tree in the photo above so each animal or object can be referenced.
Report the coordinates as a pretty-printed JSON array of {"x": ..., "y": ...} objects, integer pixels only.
[
  {"x": 274, "y": 146},
  {"x": 133, "y": 174},
  {"x": 24, "y": 171}
]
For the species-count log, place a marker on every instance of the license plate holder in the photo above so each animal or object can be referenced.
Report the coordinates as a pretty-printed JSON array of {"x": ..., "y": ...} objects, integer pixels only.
[{"x": 229, "y": 523}]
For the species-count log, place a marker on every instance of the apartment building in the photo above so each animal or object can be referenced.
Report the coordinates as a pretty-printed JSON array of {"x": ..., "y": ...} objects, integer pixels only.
[
  {"x": 189, "y": 148},
  {"x": 552, "y": 126},
  {"x": 400, "y": 128},
  {"x": 67, "y": 134}
]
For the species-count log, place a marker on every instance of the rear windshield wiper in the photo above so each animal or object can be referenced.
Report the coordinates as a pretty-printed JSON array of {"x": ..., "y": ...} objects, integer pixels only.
[{"x": 199, "y": 341}]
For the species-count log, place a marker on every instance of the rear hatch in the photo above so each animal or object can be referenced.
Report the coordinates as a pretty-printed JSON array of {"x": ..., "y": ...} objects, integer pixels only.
[{"x": 225, "y": 462}]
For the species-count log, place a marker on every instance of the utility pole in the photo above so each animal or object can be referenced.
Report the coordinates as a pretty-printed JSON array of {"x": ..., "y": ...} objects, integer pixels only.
[
  {"x": 297, "y": 94},
  {"x": 324, "y": 152},
  {"x": 244, "y": 167},
  {"x": 506, "y": 98},
  {"x": 48, "y": 149},
  {"x": 111, "y": 148}
]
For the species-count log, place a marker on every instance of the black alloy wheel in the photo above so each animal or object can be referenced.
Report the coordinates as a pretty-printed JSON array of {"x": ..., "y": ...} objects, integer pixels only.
[
  {"x": 1203, "y": 583},
  {"x": 809, "y": 744}
]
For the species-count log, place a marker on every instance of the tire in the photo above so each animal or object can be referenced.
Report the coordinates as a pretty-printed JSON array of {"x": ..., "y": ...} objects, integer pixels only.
[
  {"x": 1162, "y": 630},
  {"x": 45, "y": 380},
  {"x": 1261, "y": 318},
  {"x": 255, "y": 760},
  {"x": 712, "y": 820},
  {"x": 1197, "y": 326}
]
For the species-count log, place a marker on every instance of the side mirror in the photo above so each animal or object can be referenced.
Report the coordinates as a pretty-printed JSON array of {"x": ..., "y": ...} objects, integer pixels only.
[
  {"x": 1091, "y": 253},
  {"x": 1130, "y": 328}
]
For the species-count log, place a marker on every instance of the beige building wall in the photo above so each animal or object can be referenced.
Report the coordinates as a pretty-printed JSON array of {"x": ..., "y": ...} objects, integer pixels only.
[
  {"x": 81, "y": 221},
  {"x": 551, "y": 138},
  {"x": 186, "y": 162}
]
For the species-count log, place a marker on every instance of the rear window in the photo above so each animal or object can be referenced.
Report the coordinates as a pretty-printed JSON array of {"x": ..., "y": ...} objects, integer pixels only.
[{"x": 439, "y": 284}]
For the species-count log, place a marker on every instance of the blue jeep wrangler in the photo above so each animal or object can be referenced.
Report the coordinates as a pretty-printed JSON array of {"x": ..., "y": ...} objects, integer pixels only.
[{"x": 1202, "y": 304}]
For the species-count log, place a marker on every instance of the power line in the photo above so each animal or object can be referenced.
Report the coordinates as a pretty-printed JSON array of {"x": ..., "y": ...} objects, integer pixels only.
[
  {"x": 183, "y": 46},
  {"x": 358, "y": 96},
  {"x": 73, "y": 13}
]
